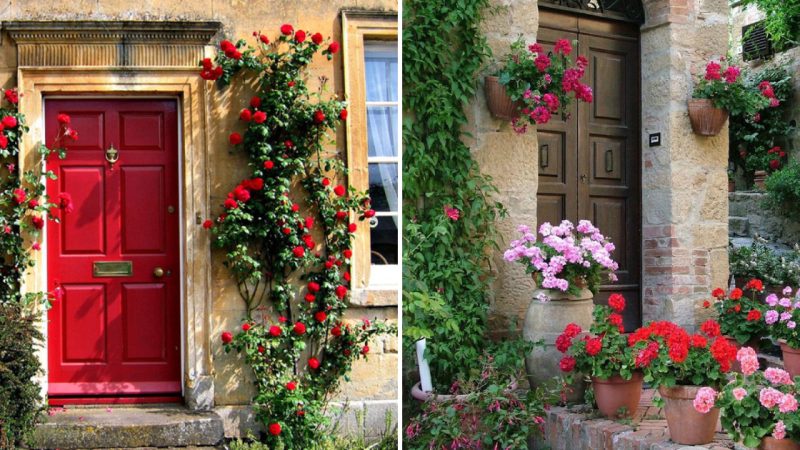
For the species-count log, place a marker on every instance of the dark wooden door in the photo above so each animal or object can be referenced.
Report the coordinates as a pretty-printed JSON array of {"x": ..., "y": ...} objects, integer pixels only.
[
  {"x": 590, "y": 164},
  {"x": 116, "y": 329}
]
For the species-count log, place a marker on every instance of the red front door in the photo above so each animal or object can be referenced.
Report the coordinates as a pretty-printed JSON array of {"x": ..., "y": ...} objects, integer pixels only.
[{"x": 115, "y": 332}]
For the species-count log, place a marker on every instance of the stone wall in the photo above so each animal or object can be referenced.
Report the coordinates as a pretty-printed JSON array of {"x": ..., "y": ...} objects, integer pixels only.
[
  {"x": 684, "y": 181},
  {"x": 373, "y": 383},
  {"x": 749, "y": 218}
]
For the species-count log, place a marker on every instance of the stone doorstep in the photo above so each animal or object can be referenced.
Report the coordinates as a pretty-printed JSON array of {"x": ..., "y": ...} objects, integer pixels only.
[{"x": 150, "y": 426}]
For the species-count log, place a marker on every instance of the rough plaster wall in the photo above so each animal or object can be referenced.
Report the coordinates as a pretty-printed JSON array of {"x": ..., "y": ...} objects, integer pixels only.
[
  {"x": 685, "y": 206},
  {"x": 375, "y": 380},
  {"x": 510, "y": 159}
]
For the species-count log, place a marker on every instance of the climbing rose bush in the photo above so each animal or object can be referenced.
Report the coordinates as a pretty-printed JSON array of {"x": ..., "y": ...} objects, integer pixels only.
[
  {"x": 544, "y": 82},
  {"x": 755, "y": 403},
  {"x": 286, "y": 230},
  {"x": 567, "y": 258},
  {"x": 740, "y": 314}
]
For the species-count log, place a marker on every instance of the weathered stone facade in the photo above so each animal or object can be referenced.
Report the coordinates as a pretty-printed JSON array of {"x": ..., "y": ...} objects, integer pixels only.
[
  {"x": 211, "y": 379},
  {"x": 684, "y": 181}
]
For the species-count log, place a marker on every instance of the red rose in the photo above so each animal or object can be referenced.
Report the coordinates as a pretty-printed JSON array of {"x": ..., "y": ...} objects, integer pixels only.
[
  {"x": 309, "y": 222},
  {"x": 245, "y": 115},
  {"x": 299, "y": 251},
  {"x": 295, "y": 207},
  {"x": 310, "y": 298},
  {"x": 593, "y": 346},
  {"x": 261, "y": 349},
  {"x": 291, "y": 385},
  {"x": 326, "y": 182},
  {"x": 226, "y": 45},
  {"x": 65, "y": 202},
  {"x": 241, "y": 194},
  {"x": 3, "y": 141},
  {"x": 275, "y": 331},
  {"x": 339, "y": 190},
  {"x": 334, "y": 47},
  {"x": 313, "y": 363},
  {"x": 235, "y": 138},
  {"x": 706, "y": 304},
  {"x": 269, "y": 164},
  {"x": 328, "y": 264},
  {"x": 319, "y": 116},
  {"x": 313, "y": 286},
  {"x": 263, "y": 39},
  {"x": 369, "y": 213},
  {"x": 33, "y": 203},
  {"x": 208, "y": 224},
  {"x": 20, "y": 195},
  {"x": 255, "y": 102},
  {"x": 9, "y": 121},
  {"x": 365, "y": 350},
  {"x": 753, "y": 315},
  {"x": 352, "y": 227},
  {"x": 346, "y": 276},
  {"x": 774, "y": 164},
  {"x": 299, "y": 328},
  {"x": 346, "y": 352},
  {"x": 227, "y": 337},
  {"x": 300, "y": 36},
  {"x": 737, "y": 307},
  {"x": 287, "y": 29},
  {"x": 566, "y": 364},
  {"x": 259, "y": 117},
  {"x": 12, "y": 96},
  {"x": 38, "y": 222},
  {"x": 718, "y": 293},
  {"x": 320, "y": 316},
  {"x": 616, "y": 302},
  {"x": 343, "y": 114},
  {"x": 256, "y": 184},
  {"x": 63, "y": 119},
  {"x": 317, "y": 38},
  {"x": 341, "y": 292},
  {"x": 336, "y": 331},
  {"x": 287, "y": 231},
  {"x": 73, "y": 134},
  {"x": 341, "y": 215},
  {"x": 274, "y": 429},
  {"x": 347, "y": 253}
]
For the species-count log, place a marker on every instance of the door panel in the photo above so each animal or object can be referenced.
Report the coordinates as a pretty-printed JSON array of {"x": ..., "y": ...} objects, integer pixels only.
[
  {"x": 115, "y": 332},
  {"x": 602, "y": 183}
]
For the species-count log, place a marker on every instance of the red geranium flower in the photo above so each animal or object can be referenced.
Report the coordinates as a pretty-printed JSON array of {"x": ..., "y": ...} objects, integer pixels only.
[
  {"x": 594, "y": 345},
  {"x": 710, "y": 328},
  {"x": 572, "y": 330},
  {"x": 755, "y": 284},
  {"x": 736, "y": 294},
  {"x": 718, "y": 293},
  {"x": 753, "y": 315},
  {"x": 563, "y": 342},
  {"x": 616, "y": 302},
  {"x": 566, "y": 364}
]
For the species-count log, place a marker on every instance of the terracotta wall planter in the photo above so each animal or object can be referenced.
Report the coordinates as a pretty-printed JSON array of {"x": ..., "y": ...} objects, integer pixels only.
[
  {"x": 616, "y": 393},
  {"x": 497, "y": 100},
  {"x": 686, "y": 425},
  {"x": 770, "y": 443},
  {"x": 705, "y": 118},
  {"x": 791, "y": 359}
]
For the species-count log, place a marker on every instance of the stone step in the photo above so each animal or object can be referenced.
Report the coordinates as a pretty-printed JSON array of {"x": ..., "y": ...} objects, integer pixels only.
[
  {"x": 150, "y": 426},
  {"x": 738, "y": 226}
]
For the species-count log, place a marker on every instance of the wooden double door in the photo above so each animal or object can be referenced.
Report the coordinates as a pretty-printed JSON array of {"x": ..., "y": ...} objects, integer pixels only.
[{"x": 590, "y": 163}]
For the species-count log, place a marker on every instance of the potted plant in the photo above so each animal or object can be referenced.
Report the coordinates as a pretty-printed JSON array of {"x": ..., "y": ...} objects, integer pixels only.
[
  {"x": 568, "y": 264},
  {"x": 758, "y": 408},
  {"x": 739, "y": 315},
  {"x": 781, "y": 317},
  {"x": 533, "y": 84},
  {"x": 719, "y": 92},
  {"x": 605, "y": 356},
  {"x": 680, "y": 364},
  {"x": 760, "y": 260}
]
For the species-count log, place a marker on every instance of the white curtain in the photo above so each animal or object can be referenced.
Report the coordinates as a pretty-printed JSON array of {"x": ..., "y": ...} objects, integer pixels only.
[{"x": 381, "y": 81}]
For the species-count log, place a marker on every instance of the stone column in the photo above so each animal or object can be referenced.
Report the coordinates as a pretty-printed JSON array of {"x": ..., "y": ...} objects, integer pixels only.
[{"x": 684, "y": 181}]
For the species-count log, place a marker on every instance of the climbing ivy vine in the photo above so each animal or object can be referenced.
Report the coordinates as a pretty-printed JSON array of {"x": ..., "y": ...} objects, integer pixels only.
[{"x": 448, "y": 210}]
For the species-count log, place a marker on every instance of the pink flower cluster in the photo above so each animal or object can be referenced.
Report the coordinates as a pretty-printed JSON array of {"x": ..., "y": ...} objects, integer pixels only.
[
  {"x": 778, "y": 376},
  {"x": 748, "y": 360},
  {"x": 781, "y": 312},
  {"x": 578, "y": 246},
  {"x": 779, "y": 432},
  {"x": 704, "y": 400}
]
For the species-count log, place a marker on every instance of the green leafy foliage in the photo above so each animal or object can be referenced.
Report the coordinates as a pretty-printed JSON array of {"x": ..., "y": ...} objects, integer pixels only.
[
  {"x": 781, "y": 21},
  {"x": 761, "y": 262},
  {"x": 740, "y": 313},
  {"x": 443, "y": 49},
  {"x": 753, "y": 135},
  {"x": 287, "y": 221},
  {"x": 487, "y": 411},
  {"x": 783, "y": 190}
]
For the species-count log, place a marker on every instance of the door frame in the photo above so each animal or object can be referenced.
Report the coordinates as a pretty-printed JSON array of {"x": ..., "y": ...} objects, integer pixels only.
[
  {"x": 37, "y": 84},
  {"x": 181, "y": 236}
]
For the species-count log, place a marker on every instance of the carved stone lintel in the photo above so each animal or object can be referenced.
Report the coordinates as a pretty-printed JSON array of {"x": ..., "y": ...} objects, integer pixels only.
[{"x": 110, "y": 43}]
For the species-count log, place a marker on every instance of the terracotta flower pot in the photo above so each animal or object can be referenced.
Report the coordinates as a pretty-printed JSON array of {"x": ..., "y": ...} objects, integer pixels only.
[
  {"x": 500, "y": 104},
  {"x": 770, "y": 443},
  {"x": 705, "y": 118},
  {"x": 791, "y": 359},
  {"x": 615, "y": 393},
  {"x": 731, "y": 186},
  {"x": 759, "y": 179},
  {"x": 686, "y": 425}
]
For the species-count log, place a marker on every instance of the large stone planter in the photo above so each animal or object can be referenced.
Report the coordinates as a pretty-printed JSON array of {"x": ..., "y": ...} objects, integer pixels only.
[
  {"x": 545, "y": 321},
  {"x": 686, "y": 425}
]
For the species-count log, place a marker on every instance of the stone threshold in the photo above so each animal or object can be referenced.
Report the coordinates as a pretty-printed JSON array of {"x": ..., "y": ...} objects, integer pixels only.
[{"x": 127, "y": 427}]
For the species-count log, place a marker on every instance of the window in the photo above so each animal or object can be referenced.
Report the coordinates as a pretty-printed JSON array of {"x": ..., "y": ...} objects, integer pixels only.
[{"x": 373, "y": 133}]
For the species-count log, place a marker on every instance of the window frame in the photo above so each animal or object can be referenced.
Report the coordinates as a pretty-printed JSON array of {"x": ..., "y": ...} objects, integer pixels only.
[{"x": 358, "y": 28}]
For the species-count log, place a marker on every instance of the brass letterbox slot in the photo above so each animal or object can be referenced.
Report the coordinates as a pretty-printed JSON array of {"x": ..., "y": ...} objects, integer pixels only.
[{"x": 112, "y": 268}]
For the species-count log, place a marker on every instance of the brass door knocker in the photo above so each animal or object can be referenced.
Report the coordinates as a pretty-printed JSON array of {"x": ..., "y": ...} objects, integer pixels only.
[{"x": 112, "y": 155}]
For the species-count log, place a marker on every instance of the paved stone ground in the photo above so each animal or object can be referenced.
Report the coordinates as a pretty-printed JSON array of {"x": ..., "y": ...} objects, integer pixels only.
[{"x": 579, "y": 428}]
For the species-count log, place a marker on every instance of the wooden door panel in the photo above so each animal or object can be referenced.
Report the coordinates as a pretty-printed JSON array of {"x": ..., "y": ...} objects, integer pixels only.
[{"x": 116, "y": 334}]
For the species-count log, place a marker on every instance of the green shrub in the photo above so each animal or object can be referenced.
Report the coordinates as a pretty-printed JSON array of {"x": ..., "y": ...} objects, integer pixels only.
[
  {"x": 19, "y": 396},
  {"x": 783, "y": 190},
  {"x": 760, "y": 261}
]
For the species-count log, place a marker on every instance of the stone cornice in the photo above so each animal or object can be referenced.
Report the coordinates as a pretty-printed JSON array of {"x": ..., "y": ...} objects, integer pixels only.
[{"x": 110, "y": 43}]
